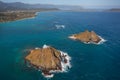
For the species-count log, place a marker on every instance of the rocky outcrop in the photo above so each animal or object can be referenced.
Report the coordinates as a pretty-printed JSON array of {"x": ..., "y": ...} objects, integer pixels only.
[
  {"x": 87, "y": 37},
  {"x": 47, "y": 59}
]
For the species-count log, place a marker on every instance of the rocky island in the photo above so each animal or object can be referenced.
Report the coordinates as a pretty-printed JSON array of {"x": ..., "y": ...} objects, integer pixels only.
[
  {"x": 48, "y": 60},
  {"x": 87, "y": 37}
]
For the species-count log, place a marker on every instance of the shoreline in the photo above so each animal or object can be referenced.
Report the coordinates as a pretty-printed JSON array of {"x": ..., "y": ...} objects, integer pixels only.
[
  {"x": 17, "y": 20},
  {"x": 35, "y": 14}
]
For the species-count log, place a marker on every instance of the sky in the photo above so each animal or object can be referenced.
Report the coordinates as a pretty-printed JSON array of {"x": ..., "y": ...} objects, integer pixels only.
[{"x": 83, "y": 3}]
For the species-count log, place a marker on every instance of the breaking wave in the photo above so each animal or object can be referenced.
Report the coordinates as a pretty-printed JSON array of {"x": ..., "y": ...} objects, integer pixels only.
[
  {"x": 65, "y": 66},
  {"x": 101, "y": 42},
  {"x": 60, "y": 26}
]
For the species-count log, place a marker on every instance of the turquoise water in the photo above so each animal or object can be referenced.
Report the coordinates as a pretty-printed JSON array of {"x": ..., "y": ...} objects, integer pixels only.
[{"x": 89, "y": 61}]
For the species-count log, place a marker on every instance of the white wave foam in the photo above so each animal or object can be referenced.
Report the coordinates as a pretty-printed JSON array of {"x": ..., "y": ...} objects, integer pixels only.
[
  {"x": 72, "y": 37},
  {"x": 65, "y": 66},
  {"x": 101, "y": 42},
  {"x": 36, "y": 13},
  {"x": 37, "y": 48},
  {"x": 60, "y": 26},
  {"x": 48, "y": 76},
  {"x": 45, "y": 46}
]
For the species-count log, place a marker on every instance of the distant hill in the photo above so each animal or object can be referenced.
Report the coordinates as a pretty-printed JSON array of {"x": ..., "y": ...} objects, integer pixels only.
[
  {"x": 23, "y": 6},
  {"x": 115, "y": 10},
  {"x": 69, "y": 7}
]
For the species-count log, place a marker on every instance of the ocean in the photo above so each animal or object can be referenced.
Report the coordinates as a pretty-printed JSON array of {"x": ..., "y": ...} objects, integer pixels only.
[{"x": 89, "y": 61}]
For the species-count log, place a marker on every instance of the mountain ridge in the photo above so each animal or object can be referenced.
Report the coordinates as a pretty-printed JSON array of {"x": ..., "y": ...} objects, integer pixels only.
[{"x": 20, "y": 6}]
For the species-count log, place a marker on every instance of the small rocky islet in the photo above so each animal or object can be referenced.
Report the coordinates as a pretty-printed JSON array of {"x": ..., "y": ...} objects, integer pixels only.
[
  {"x": 48, "y": 60},
  {"x": 87, "y": 37}
]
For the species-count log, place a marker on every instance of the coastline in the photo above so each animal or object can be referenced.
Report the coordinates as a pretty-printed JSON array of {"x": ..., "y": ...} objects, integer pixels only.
[
  {"x": 14, "y": 16},
  {"x": 34, "y": 15},
  {"x": 18, "y": 19}
]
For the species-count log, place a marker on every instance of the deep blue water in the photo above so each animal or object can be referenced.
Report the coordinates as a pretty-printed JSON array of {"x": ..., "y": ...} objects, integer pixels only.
[{"x": 89, "y": 61}]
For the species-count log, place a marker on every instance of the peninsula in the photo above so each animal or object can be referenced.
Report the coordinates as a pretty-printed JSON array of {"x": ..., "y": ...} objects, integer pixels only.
[
  {"x": 17, "y": 10},
  {"x": 19, "y": 14}
]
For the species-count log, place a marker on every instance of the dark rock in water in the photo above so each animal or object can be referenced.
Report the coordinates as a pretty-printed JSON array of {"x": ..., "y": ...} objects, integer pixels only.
[
  {"x": 86, "y": 37},
  {"x": 46, "y": 59}
]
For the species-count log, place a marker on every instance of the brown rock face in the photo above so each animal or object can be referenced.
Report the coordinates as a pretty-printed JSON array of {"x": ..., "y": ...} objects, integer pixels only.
[
  {"x": 46, "y": 59},
  {"x": 94, "y": 37},
  {"x": 87, "y": 37}
]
